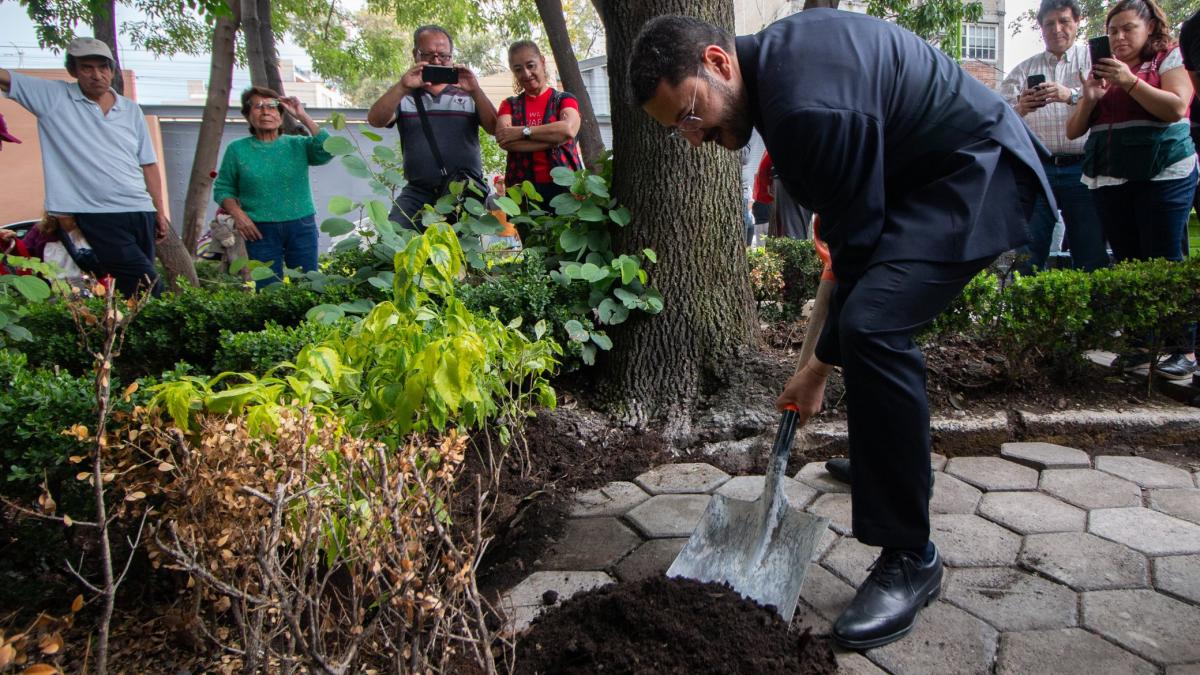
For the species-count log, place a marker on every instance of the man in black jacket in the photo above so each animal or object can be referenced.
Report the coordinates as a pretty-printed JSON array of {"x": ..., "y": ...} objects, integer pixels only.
[{"x": 921, "y": 176}]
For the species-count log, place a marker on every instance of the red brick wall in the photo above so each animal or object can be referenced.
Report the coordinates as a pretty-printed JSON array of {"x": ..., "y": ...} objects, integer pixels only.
[{"x": 982, "y": 72}]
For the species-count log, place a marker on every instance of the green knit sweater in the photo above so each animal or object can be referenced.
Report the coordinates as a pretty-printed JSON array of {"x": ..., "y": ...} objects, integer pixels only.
[{"x": 270, "y": 179}]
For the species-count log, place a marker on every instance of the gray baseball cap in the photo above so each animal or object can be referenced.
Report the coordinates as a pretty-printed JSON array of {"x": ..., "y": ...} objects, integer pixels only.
[{"x": 88, "y": 46}]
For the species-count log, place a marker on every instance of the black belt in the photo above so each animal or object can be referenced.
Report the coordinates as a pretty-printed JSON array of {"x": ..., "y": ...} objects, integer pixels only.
[{"x": 1065, "y": 160}]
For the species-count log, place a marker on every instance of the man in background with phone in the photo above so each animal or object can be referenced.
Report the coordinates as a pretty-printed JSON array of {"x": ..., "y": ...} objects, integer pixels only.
[
  {"x": 1043, "y": 89},
  {"x": 439, "y": 132}
]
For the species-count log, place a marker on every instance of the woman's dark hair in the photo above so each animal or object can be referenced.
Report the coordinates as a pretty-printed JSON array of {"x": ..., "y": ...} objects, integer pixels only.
[
  {"x": 261, "y": 92},
  {"x": 1156, "y": 22},
  {"x": 670, "y": 48},
  {"x": 1048, "y": 6},
  {"x": 523, "y": 44}
]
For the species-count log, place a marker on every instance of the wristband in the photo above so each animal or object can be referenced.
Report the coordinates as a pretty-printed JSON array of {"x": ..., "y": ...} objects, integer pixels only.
[{"x": 1133, "y": 86}]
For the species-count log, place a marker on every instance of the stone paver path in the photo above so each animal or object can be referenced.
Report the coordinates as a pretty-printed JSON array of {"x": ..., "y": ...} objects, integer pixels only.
[{"x": 1056, "y": 562}]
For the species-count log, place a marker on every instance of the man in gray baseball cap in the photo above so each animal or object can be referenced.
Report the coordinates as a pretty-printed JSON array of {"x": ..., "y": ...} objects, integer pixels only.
[{"x": 98, "y": 162}]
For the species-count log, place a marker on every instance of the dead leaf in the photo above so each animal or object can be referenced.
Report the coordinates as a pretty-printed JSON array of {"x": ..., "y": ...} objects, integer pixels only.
[
  {"x": 134, "y": 496},
  {"x": 77, "y": 603},
  {"x": 67, "y": 520},
  {"x": 83, "y": 475},
  {"x": 7, "y": 654},
  {"x": 166, "y": 466},
  {"x": 79, "y": 431},
  {"x": 222, "y": 604},
  {"x": 129, "y": 391},
  {"x": 75, "y": 459},
  {"x": 40, "y": 669},
  {"x": 99, "y": 290},
  {"x": 50, "y": 644}
]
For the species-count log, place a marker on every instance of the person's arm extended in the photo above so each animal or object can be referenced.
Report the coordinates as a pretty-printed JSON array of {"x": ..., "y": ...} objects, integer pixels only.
[
  {"x": 383, "y": 111},
  {"x": 155, "y": 187},
  {"x": 1170, "y": 103},
  {"x": 483, "y": 105}
]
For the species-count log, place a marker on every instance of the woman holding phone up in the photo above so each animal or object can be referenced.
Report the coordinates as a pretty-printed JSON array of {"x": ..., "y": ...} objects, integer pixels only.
[{"x": 1139, "y": 160}]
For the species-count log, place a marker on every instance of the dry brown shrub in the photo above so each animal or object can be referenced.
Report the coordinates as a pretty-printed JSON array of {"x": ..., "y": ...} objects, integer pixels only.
[{"x": 313, "y": 551}]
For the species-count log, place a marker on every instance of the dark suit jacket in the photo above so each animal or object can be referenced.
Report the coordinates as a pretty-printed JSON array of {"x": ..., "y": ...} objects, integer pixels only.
[{"x": 903, "y": 155}]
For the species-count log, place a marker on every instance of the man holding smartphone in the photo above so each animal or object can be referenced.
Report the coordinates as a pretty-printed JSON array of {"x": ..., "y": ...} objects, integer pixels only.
[
  {"x": 439, "y": 131},
  {"x": 1043, "y": 90}
]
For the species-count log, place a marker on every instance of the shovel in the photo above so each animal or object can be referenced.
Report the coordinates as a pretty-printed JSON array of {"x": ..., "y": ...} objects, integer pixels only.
[{"x": 762, "y": 548}]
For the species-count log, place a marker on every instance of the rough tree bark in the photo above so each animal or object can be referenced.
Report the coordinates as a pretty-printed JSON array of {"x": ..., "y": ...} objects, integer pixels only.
[
  {"x": 687, "y": 207},
  {"x": 212, "y": 126},
  {"x": 266, "y": 41},
  {"x": 104, "y": 29},
  {"x": 252, "y": 34},
  {"x": 555, "y": 23}
]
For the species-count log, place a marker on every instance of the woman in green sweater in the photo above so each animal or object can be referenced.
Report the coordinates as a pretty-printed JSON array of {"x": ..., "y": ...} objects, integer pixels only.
[{"x": 263, "y": 183}]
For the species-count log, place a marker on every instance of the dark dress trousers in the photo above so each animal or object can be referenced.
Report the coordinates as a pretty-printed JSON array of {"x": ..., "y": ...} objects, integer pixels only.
[{"x": 921, "y": 176}]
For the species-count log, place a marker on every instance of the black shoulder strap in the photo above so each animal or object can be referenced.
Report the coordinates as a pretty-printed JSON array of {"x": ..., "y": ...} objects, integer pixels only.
[{"x": 437, "y": 154}]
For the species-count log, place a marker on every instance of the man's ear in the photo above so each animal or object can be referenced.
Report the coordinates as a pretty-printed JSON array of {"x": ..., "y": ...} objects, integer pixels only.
[{"x": 720, "y": 61}]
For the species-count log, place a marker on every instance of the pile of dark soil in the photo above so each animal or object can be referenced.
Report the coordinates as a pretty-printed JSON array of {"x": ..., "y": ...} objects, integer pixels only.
[{"x": 663, "y": 625}]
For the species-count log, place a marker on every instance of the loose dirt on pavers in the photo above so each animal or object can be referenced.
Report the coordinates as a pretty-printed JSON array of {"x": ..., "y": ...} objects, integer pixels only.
[{"x": 662, "y": 625}]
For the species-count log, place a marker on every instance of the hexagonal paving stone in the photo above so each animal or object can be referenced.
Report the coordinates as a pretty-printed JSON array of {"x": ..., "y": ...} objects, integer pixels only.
[
  {"x": 1185, "y": 669},
  {"x": 524, "y": 602},
  {"x": 993, "y": 473},
  {"x": 850, "y": 559},
  {"x": 686, "y": 478},
  {"x": 650, "y": 559},
  {"x": 945, "y": 640},
  {"x": 590, "y": 544},
  {"x": 1046, "y": 456},
  {"x": 1010, "y": 599},
  {"x": 814, "y": 475},
  {"x": 835, "y": 507},
  {"x": 1146, "y": 623},
  {"x": 1031, "y": 513},
  {"x": 749, "y": 488},
  {"x": 668, "y": 515},
  {"x": 853, "y": 663},
  {"x": 1091, "y": 489},
  {"x": 1042, "y": 652},
  {"x": 1145, "y": 472},
  {"x": 1145, "y": 530},
  {"x": 937, "y": 462},
  {"x": 1084, "y": 561},
  {"x": 951, "y": 495},
  {"x": 971, "y": 541},
  {"x": 1183, "y": 503},
  {"x": 1179, "y": 575},
  {"x": 1196, "y": 478},
  {"x": 613, "y": 499},
  {"x": 826, "y": 594},
  {"x": 828, "y": 537}
]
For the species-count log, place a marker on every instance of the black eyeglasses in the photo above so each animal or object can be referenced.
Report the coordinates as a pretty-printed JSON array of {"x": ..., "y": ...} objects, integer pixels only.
[
  {"x": 430, "y": 57},
  {"x": 691, "y": 122}
]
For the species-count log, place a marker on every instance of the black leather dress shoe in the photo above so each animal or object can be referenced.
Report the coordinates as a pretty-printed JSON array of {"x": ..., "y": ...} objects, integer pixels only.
[
  {"x": 839, "y": 468},
  {"x": 886, "y": 605}
]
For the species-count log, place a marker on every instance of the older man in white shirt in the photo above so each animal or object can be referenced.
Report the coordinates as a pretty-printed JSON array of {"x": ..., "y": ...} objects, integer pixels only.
[{"x": 1045, "y": 107}]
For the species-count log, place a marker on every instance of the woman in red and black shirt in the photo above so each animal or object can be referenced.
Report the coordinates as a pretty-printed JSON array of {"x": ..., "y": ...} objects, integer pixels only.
[{"x": 538, "y": 126}]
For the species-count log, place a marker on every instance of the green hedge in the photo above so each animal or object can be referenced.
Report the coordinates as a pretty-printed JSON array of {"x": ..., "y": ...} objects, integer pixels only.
[
  {"x": 186, "y": 327},
  {"x": 258, "y": 351}
]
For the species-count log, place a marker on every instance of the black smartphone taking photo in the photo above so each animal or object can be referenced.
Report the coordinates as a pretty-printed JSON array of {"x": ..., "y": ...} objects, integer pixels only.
[
  {"x": 1034, "y": 80},
  {"x": 1099, "y": 48},
  {"x": 439, "y": 74}
]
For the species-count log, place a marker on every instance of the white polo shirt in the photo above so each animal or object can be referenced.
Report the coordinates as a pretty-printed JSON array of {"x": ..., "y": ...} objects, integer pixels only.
[{"x": 92, "y": 162}]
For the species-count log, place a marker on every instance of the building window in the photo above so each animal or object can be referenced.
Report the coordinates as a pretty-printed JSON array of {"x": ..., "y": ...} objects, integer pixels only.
[{"x": 979, "y": 41}]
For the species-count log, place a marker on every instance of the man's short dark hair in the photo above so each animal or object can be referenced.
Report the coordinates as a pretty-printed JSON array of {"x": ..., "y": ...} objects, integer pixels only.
[
  {"x": 1048, "y": 6},
  {"x": 430, "y": 28},
  {"x": 72, "y": 63},
  {"x": 670, "y": 48}
]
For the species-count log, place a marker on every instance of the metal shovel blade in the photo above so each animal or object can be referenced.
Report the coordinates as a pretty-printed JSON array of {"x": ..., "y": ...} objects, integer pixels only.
[{"x": 762, "y": 548}]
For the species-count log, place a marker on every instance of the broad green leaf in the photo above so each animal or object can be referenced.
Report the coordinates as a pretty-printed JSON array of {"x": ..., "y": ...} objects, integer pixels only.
[
  {"x": 628, "y": 299},
  {"x": 599, "y": 240},
  {"x": 588, "y": 352},
  {"x": 378, "y": 212},
  {"x": 529, "y": 190},
  {"x": 590, "y": 212},
  {"x": 338, "y": 121},
  {"x": 348, "y": 244},
  {"x": 339, "y": 205},
  {"x": 539, "y": 329},
  {"x": 338, "y": 145},
  {"x": 596, "y": 186},
  {"x": 355, "y": 166},
  {"x": 565, "y": 204},
  {"x": 602, "y": 341},
  {"x": 650, "y": 255},
  {"x": 33, "y": 288},
  {"x": 262, "y": 273},
  {"x": 620, "y": 216},
  {"x": 576, "y": 331},
  {"x": 571, "y": 240},
  {"x": 509, "y": 206},
  {"x": 629, "y": 268},
  {"x": 612, "y": 312},
  {"x": 335, "y": 227},
  {"x": 359, "y": 306},
  {"x": 561, "y": 175},
  {"x": 372, "y": 135},
  {"x": 325, "y": 313},
  {"x": 593, "y": 273},
  {"x": 383, "y": 153},
  {"x": 474, "y": 207}
]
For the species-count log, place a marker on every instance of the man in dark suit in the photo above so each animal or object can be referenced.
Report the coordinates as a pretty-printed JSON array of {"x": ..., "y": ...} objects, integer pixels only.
[{"x": 921, "y": 175}]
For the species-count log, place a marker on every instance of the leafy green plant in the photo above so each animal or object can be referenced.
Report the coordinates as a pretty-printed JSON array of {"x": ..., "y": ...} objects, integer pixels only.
[
  {"x": 259, "y": 351},
  {"x": 801, "y": 271},
  {"x": 766, "y": 282},
  {"x": 18, "y": 290}
]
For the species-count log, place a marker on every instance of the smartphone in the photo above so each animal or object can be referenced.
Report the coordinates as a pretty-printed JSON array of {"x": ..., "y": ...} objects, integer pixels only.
[
  {"x": 1034, "y": 80},
  {"x": 439, "y": 74},
  {"x": 1099, "y": 48}
]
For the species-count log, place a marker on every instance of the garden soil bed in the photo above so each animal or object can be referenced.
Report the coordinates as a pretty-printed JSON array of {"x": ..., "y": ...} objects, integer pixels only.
[{"x": 662, "y": 625}]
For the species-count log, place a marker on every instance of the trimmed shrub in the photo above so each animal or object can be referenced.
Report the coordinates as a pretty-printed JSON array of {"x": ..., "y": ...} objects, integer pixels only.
[
  {"x": 766, "y": 282},
  {"x": 801, "y": 271},
  {"x": 258, "y": 351}
]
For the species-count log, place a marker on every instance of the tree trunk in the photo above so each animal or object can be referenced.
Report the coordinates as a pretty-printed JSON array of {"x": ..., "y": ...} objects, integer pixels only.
[
  {"x": 266, "y": 41},
  {"x": 686, "y": 205},
  {"x": 212, "y": 127},
  {"x": 104, "y": 28},
  {"x": 176, "y": 259},
  {"x": 590, "y": 141},
  {"x": 252, "y": 33}
]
